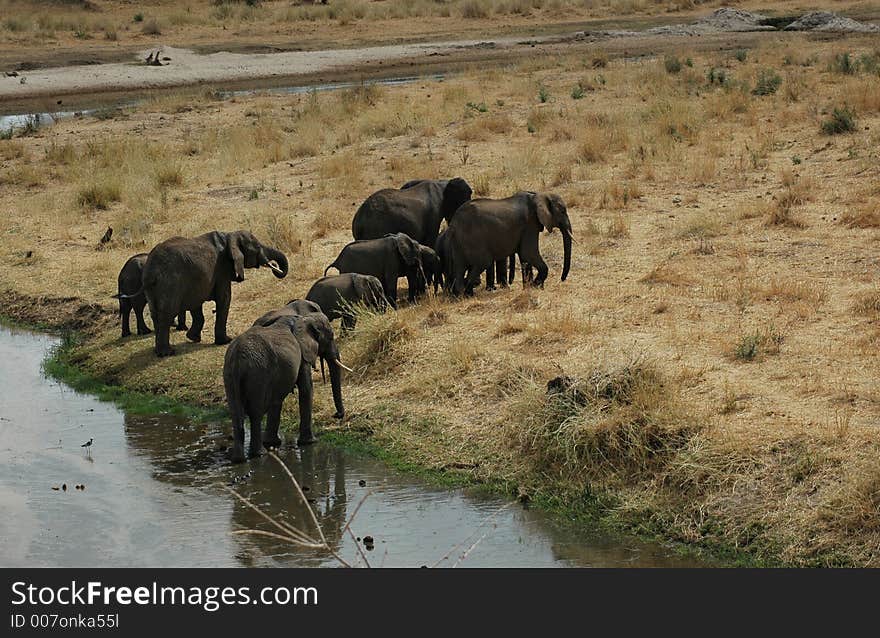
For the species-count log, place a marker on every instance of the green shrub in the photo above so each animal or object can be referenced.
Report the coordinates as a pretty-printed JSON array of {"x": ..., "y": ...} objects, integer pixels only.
[
  {"x": 741, "y": 54},
  {"x": 842, "y": 120},
  {"x": 577, "y": 92},
  {"x": 672, "y": 64},
  {"x": 768, "y": 82},
  {"x": 844, "y": 64},
  {"x": 543, "y": 94}
]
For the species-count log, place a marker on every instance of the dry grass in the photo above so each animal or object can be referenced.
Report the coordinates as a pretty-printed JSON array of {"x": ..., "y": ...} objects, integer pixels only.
[{"x": 724, "y": 237}]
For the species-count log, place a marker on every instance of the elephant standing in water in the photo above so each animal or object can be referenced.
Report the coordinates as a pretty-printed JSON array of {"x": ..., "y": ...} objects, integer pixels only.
[
  {"x": 387, "y": 259},
  {"x": 337, "y": 293},
  {"x": 485, "y": 231},
  {"x": 181, "y": 274},
  {"x": 261, "y": 368},
  {"x": 417, "y": 209}
]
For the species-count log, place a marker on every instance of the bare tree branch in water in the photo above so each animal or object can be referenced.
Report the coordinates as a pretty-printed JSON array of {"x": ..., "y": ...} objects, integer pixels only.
[{"x": 300, "y": 538}]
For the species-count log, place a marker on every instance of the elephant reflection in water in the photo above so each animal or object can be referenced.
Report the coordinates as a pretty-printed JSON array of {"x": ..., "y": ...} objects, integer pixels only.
[{"x": 320, "y": 471}]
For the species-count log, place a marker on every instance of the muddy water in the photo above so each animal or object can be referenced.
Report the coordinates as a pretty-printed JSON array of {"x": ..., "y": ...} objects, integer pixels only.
[
  {"x": 153, "y": 495},
  {"x": 17, "y": 122}
]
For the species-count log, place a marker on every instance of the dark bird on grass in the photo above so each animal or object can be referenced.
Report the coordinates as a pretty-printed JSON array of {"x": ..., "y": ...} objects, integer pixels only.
[{"x": 107, "y": 235}]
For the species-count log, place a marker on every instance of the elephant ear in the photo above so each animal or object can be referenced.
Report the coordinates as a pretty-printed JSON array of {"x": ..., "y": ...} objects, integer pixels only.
[
  {"x": 306, "y": 331},
  {"x": 235, "y": 255},
  {"x": 456, "y": 193},
  {"x": 406, "y": 248},
  {"x": 541, "y": 206}
]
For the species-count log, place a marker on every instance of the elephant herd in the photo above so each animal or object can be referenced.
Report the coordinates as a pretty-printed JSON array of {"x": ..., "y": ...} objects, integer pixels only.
[{"x": 396, "y": 234}]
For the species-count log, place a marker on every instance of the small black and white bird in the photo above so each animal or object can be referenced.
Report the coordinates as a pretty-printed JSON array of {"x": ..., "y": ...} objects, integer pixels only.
[{"x": 88, "y": 445}]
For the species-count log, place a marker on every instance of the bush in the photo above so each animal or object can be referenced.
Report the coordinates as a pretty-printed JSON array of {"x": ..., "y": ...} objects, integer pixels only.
[
  {"x": 577, "y": 92},
  {"x": 151, "y": 27},
  {"x": 543, "y": 94},
  {"x": 99, "y": 196},
  {"x": 741, "y": 54},
  {"x": 717, "y": 76},
  {"x": 672, "y": 64},
  {"x": 138, "y": 17},
  {"x": 768, "y": 82},
  {"x": 842, "y": 120},
  {"x": 844, "y": 64}
]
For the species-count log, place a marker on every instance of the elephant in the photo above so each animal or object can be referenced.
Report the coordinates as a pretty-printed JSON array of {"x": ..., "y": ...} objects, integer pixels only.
[
  {"x": 485, "y": 231},
  {"x": 386, "y": 258},
  {"x": 417, "y": 209},
  {"x": 428, "y": 273},
  {"x": 182, "y": 274},
  {"x": 129, "y": 282},
  {"x": 262, "y": 366},
  {"x": 306, "y": 308},
  {"x": 336, "y": 294},
  {"x": 501, "y": 268}
]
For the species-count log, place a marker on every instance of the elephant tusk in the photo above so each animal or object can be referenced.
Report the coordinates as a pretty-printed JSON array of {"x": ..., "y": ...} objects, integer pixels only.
[
  {"x": 323, "y": 377},
  {"x": 343, "y": 366},
  {"x": 274, "y": 267}
]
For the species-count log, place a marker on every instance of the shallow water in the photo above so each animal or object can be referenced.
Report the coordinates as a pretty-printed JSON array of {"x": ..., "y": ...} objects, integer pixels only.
[
  {"x": 16, "y": 122},
  {"x": 154, "y": 497}
]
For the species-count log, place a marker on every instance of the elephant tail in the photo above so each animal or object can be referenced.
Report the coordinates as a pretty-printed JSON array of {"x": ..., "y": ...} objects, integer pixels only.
[
  {"x": 233, "y": 383},
  {"x": 131, "y": 296},
  {"x": 333, "y": 265}
]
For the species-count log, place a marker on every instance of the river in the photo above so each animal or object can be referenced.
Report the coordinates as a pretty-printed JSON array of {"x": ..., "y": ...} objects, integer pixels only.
[{"x": 154, "y": 495}]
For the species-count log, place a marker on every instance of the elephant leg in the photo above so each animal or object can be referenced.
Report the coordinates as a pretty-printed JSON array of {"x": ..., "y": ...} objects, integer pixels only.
[
  {"x": 222, "y": 299},
  {"x": 181, "y": 321},
  {"x": 501, "y": 272},
  {"x": 304, "y": 392},
  {"x": 237, "y": 454},
  {"x": 529, "y": 252},
  {"x": 194, "y": 334},
  {"x": 390, "y": 288},
  {"x": 490, "y": 277},
  {"x": 473, "y": 280},
  {"x": 125, "y": 316},
  {"x": 162, "y": 327},
  {"x": 256, "y": 446},
  {"x": 511, "y": 270},
  {"x": 273, "y": 422},
  {"x": 458, "y": 278},
  {"x": 348, "y": 322},
  {"x": 142, "y": 328}
]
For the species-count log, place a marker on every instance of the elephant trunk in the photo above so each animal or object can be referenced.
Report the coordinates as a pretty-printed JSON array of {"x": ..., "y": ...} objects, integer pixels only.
[
  {"x": 566, "y": 248},
  {"x": 278, "y": 257},
  {"x": 336, "y": 384}
]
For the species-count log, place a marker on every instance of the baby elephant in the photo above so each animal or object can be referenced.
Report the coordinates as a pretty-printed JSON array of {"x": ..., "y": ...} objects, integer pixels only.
[
  {"x": 262, "y": 366},
  {"x": 337, "y": 293},
  {"x": 130, "y": 281}
]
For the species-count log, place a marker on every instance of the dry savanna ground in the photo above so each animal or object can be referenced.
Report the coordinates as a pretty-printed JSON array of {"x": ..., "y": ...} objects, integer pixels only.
[
  {"x": 722, "y": 314},
  {"x": 33, "y": 31}
]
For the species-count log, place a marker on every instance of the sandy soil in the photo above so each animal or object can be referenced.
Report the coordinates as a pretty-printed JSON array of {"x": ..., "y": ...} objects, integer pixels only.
[{"x": 185, "y": 67}]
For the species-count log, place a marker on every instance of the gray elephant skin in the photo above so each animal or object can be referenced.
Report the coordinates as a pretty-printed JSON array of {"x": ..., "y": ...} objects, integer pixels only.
[
  {"x": 183, "y": 273},
  {"x": 305, "y": 308},
  {"x": 262, "y": 366},
  {"x": 386, "y": 258},
  {"x": 336, "y": 295},
  {"x": 428, "y": 274},
  {"x": 485, "y": 231},
  {"x": 131, "y": 297},
  {"x": 417, "y": 209}
]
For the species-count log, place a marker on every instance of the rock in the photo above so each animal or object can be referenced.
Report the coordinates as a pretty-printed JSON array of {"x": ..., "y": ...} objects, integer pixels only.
[{"x": 825, "y": 21}]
